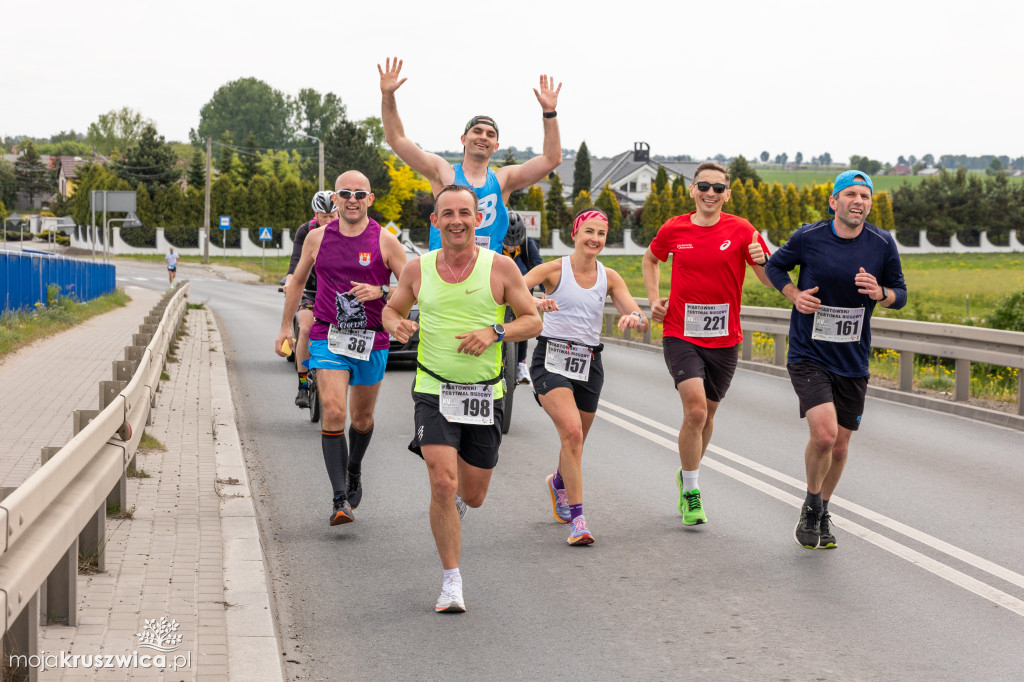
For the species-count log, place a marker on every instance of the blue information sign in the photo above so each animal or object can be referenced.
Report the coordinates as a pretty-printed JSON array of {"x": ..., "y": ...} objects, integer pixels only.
[
  {"x": 266, "y": 234},
  {"x": 225, "y": 222}
]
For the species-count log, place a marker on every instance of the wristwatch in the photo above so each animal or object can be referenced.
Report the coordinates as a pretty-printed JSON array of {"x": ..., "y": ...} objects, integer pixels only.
[
  {"x": 385, "y": 290},
  {"x": 885, "y": 295},
  {"x": 499, "y": 329}
]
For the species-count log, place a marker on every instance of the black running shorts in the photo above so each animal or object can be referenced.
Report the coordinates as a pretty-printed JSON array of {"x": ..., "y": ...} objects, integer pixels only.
[
  {"x": 587, "y": 393},
  {"x": 815, "y": 385},
  {"x": 687, "y": 360},
  {"x": 477, "y": 445}
]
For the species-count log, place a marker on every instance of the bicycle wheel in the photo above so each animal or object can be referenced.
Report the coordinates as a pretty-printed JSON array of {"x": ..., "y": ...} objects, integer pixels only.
[
  {"x": 314, "y": 398},
  {"x": 509, "y": 360}
]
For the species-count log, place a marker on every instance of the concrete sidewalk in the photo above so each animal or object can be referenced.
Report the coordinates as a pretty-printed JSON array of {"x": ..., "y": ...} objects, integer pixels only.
[{"x": 190, "y": 552}]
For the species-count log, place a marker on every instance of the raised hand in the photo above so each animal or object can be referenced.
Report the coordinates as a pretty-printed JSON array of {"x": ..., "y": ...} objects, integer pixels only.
[
  {"x": 867, "y": 284},
  {"x": 389, "y": 75},
  {"x": 547, "y": 95}
]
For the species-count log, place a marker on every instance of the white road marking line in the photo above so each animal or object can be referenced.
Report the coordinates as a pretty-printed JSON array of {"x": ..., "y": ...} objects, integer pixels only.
[{"x": 936, "y": 567}]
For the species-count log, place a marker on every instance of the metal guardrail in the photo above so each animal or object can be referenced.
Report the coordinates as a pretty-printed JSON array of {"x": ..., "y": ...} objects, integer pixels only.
[
  {"x": 963, "y": 344},
  {"x": 58, "y": 514}
]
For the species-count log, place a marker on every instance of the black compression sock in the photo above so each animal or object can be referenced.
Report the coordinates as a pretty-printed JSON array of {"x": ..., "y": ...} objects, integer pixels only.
[
  {"x": 335, "y": 459},
  {"x": 824, "y": 504},
  {"x": 813, "y": 500},
  {"x": 358, "y": 441}
]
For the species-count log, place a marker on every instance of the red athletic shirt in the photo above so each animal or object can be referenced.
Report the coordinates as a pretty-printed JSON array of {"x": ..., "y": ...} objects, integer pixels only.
[{"x": 708, "y": 266}]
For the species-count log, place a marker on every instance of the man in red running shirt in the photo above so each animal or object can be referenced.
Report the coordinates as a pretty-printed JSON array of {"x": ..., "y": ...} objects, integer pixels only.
[{"x": 702, "y": 313}]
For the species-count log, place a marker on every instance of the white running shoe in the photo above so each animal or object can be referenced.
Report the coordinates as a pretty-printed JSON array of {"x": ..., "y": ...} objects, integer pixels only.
[
  {"x": 451, "y": 600},
  {"x": 524, "y": 373}
]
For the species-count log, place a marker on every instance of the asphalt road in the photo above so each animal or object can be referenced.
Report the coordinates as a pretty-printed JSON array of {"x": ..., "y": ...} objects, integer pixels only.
[{"x": 926, "y": 583}]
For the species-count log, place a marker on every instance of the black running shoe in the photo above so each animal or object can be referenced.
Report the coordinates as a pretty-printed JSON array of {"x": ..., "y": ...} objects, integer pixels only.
[
  {"x": 342, "y": 511},
  {"x": 302, "y": 397},
  {"x": 808, "y": 528},
  {"x": 355, "y": 489},
  {"x": 827, "y": 541}
]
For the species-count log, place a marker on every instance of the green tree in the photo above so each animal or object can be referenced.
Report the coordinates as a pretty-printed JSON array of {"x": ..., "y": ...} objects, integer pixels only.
[
  {"x": 650, "y": 219},
  {"x": 764, "y": 157},
  {"x": 754, "y": 204},
  {"x": 558, "y": 213},
  {"x": 91, "y": 176},
  {"x": 243, "y": 105},
  {"x": 607, "y": 202},
  {"x": 777, "y": 214},
  {"x": 196, "y": 173},
  {"x": 581, "y": 202},
  {"x": 349, "y": 146},
  {"x": 994, "y": 167},
  {"x": 581, "y": 178},
  {"x": 169, "y": 207},
  {"x": 825, "y": 159},
  {"x": 144, "y": 206},
  {"x": 148, "y": 160},
  {"x": 792, "y": 209},
  {"x": 33, "y": 177},
  {"x": 738, "y": 201},
  {"x": 224, "y": 162},
  {"x": 661, "y": 179},
  {"x": 8, "y": 182},
  {"x": 740, "y": 170},
  {"x": 317, "y": 114},
  {"x": 115, "y": 130},
  {"x": 258, "y": 204},
  {"x": 249, "y": 160}
]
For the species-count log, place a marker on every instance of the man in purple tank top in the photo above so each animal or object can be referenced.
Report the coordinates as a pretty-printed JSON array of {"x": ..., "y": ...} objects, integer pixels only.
[{"x": 354, "y": 259}]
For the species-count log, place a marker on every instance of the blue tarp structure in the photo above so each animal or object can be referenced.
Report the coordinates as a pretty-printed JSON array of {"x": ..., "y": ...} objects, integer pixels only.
[{"x": 25, "y": 276}]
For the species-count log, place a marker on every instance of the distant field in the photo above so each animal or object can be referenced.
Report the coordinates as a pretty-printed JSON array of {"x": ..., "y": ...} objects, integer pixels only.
[{"x": 802, "y": 177}]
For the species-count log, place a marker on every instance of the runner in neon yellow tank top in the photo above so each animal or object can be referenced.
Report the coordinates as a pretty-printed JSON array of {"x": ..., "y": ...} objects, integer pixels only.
[{"x": 462, "y": 291}]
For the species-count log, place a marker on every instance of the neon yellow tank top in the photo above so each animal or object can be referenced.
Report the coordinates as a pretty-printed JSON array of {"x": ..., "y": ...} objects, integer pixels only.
[{"x": 450, "y": 309}]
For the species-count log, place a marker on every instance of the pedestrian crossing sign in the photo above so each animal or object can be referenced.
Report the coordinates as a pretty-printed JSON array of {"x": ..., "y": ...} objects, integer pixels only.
[{"x": 266, "y": 234}]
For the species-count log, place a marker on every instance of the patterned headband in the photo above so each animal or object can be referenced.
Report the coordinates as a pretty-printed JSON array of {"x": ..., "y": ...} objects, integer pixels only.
[{"x": 584, "y": 217}]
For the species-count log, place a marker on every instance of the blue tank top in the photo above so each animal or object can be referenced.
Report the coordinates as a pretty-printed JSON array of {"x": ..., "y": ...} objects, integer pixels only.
[
  {"x": 494, "y": 224},
  {"x": 341, "y": 261}
]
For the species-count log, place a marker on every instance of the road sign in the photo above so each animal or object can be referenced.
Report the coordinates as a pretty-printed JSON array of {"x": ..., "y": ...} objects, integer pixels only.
[
  {"x": 532, "y": 220},
  {"x": 225, "y": 222},
  {"x": 266, "y": 234},
  {"x": 391, "y": 227}
]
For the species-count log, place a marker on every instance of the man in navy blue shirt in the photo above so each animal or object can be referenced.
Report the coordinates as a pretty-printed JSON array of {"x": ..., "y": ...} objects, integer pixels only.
[{"x": 846, "y": 265}]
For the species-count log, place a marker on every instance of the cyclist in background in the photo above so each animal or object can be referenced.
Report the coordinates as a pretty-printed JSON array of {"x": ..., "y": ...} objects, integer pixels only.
[
  {"x": 324, "y": 211},
  {"x": 525, "y": 253}
]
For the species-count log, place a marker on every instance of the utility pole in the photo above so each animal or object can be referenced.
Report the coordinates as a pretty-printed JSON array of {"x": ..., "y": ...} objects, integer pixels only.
[
  {"x": 206, "y": 208},
  {"x": 321, "y": 164}
]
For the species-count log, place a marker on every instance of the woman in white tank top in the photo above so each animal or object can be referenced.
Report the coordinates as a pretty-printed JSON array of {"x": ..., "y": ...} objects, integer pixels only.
[{"x": 566, "y": 369}]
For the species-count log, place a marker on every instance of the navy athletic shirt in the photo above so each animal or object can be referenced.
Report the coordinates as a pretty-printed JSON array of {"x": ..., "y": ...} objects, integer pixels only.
[{"x": 830, "y": 262}]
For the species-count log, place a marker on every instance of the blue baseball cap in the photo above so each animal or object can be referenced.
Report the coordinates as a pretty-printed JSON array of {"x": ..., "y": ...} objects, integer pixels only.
[{"x": 848, "y": 179}]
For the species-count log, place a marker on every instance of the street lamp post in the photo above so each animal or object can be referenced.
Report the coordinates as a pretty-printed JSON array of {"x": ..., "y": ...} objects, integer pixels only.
[
  {"x": 321, "y": 143},
  {"x": 131, "y": 219}
]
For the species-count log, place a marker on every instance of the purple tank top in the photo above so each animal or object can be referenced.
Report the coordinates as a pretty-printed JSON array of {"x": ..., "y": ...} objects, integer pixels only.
[{"x": 341, "y": 261}]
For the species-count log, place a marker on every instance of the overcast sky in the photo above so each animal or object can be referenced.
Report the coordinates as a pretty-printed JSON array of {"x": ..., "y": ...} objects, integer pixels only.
[{"x": 699, "y": 78}]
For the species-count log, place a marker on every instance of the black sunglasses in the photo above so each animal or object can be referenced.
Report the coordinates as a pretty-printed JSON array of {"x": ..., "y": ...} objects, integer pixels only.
[
  {"x": 705, "y": 186},
  {"x": 346, "y": 194}
]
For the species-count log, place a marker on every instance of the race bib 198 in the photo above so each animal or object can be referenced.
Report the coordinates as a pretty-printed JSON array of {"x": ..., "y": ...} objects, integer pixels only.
[
  {"x": 352, "y": 343},
  {"x": 704, "y": 320},
  {"x": 467, "y": 403},
  {"x": 483, "y": 241},
  {"x": 568, "y": 360},
  {"x": 838, "y": 325}
]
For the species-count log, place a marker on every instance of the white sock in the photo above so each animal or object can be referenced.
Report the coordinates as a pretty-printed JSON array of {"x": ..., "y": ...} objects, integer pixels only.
[
  {"x": 690, "y": 480},
  {"x": 453, "y": 575}
]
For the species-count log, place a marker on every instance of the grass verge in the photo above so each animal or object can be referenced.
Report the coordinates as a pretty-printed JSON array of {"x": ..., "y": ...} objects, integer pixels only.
[{"x": 20, "y": 328}]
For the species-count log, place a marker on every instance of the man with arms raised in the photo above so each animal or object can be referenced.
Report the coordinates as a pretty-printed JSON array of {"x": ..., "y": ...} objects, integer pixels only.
[
  {"x": 462, "y": 291},
  {"x": 847, "y": 265},
  {"x": 480, "y": 142},
  {"x": 710, "y": 250},
  {"x": 354, "y": 259}
]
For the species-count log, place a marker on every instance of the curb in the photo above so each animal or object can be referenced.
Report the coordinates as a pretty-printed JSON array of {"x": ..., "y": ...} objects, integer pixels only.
[{"x": 253, "y": 644}]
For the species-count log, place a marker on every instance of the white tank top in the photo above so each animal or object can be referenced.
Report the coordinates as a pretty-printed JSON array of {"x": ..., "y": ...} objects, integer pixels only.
[{"x": 580, "y": 311}]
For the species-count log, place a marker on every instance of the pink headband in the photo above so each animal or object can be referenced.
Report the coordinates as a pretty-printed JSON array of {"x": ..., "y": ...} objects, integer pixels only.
[{"x": 584, "y": 217}]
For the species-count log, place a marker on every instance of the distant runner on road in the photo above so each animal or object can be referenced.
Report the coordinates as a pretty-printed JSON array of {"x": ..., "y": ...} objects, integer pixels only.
[{"x": 172, "y": 264}]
